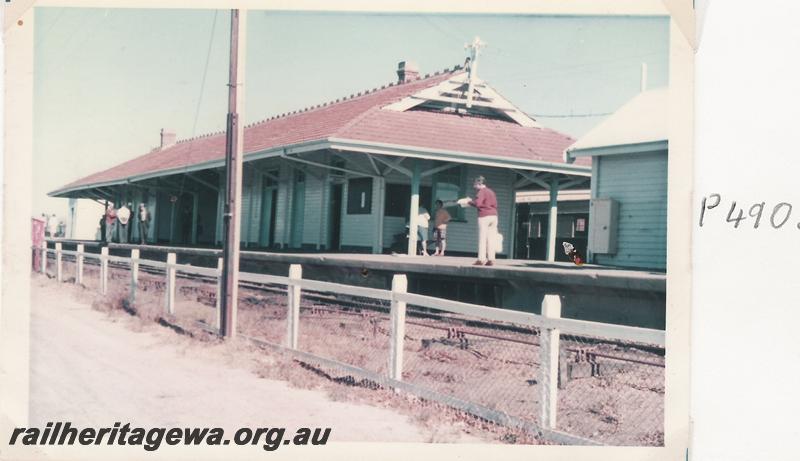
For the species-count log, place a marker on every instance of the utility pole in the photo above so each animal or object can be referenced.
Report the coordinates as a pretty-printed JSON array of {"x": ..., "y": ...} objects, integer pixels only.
[{"x": 231, "y": 217}]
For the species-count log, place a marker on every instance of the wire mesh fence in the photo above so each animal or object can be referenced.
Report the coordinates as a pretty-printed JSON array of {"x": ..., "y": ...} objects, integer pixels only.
[
  {"x": 262, "y": 312},
  {"x": 348, "y": 330},
  {"x": 151, "y": 287},
  {"x": 195, "y": 299},
  {"x": 607, "y": 390},
  {"x": 118, "y": 282},
  {"x": 611, "y": 391},
  {"x": 491, "y": 364},
  {"x": 91, "y": 275}
]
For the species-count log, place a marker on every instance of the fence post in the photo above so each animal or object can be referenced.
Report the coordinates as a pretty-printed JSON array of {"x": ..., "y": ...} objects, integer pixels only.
[
  {"x": 103, "y": 270},
  {"x": 79, "y": 265},
  {"x": 218, "y": 325},
  {"x": 43, "y": 265},
  {"x": 293, "y": 305},
  {"x": 398, "y": 327},
  {"x": 551, "y": 308},
  {"x": 134, "y": 274},
  {"x": 59, "y": 266},
  {"x": 170, "y": 295}
]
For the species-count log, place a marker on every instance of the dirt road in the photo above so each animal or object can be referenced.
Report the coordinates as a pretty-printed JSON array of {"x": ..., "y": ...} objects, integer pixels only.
[{"x": 92, "y": 369}]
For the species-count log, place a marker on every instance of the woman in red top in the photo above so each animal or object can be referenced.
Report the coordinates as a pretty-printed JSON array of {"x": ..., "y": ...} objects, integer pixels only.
[
  {"x": 111, "y": 222},
  {"x": 486, "y": 202}
]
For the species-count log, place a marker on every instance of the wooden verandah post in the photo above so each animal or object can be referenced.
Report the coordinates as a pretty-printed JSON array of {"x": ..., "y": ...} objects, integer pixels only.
[
  {"x": 552, "y": 225},
  {"x": 414, "y": 210}
]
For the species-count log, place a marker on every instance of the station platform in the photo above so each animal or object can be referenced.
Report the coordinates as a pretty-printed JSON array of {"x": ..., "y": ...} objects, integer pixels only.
[{"x": 588, "y": 292}]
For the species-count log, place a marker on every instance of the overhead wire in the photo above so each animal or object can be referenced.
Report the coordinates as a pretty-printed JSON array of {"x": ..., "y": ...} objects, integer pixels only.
[
  {"x": 205, "y": 74},
  {"x": 563, "y": 70},
  {"x": 444, "y": 31},
  {"x": 588, "y": 115},
  {"x": 197, "y": 107}
]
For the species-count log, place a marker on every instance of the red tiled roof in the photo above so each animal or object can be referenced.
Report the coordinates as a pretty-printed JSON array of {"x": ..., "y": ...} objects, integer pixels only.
[
  {"x": 432, "y": 130},
  {"x": 359, "y": 118}
]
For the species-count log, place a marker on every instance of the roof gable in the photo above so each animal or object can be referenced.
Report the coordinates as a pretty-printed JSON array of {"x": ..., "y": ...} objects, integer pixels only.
[
  {"x": 641, "y": 120},
  {"x": 454, "y": 95}
]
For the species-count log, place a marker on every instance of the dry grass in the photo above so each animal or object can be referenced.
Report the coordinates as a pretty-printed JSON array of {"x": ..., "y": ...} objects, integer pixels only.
[
  {"x": 441, "y": 423},
  {"x": 494, "y": 373}
]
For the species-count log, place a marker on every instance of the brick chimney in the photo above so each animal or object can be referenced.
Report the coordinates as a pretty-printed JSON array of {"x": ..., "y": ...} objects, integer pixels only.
[
  {"x": 407, "y": 71},
  {"x": 168, "y": 138}
]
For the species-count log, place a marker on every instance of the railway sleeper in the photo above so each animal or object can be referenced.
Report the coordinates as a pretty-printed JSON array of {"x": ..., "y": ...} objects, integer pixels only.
[{"x": 584, "y": 364}]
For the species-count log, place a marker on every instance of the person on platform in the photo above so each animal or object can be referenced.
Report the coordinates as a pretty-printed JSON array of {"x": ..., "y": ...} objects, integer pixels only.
[
  {"x": 111, "y": 222},
  {"x": 102, "y": 235},
  {"x": 441, "y": 218},
  {"x": 423, "y": 218},
  {"x": 186, "y": 222},
  {"x": 144, "y": 223},
  {"x": 486, "y": 202},
  {"x": 52, "y": 226},
  {"x": 123, "y": 216}
]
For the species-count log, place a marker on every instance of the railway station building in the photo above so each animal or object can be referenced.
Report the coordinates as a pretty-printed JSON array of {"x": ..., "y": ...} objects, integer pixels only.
[
  {"x": 628, "y": 213},
  {"x": 340, "y": 176}
]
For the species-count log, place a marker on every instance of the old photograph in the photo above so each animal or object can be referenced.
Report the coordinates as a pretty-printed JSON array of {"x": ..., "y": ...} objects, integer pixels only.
[{"x": 399, "y": 227}]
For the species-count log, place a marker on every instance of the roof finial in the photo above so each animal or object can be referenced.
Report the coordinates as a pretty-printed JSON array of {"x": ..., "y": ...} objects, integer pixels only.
[{"x": 472, "y": 65}]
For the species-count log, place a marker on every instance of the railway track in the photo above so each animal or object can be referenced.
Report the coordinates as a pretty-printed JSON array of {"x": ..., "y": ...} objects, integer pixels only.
[{"x": 350, "y": 306}]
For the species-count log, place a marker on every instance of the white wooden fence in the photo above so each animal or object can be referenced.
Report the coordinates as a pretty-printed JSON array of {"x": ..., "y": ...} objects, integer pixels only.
[{"x": 550, "y": 323}]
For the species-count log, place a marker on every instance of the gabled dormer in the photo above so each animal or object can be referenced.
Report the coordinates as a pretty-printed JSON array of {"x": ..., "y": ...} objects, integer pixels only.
[{"x": 464, "y": 94}]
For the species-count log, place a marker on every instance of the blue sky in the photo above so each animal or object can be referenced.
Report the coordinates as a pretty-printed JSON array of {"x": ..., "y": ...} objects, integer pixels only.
[{"x": 107, "y": 80}]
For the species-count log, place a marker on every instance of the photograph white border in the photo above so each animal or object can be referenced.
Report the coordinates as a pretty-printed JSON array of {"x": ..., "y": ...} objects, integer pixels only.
[{"x": 16, "y": 255}]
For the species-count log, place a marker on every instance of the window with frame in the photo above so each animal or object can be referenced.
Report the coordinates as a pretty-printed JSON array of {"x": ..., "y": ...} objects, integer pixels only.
[
  {"x": 359, "y": 196},
  {"x": 398, "y": 200},
  {"x": 449, "y": 186}
]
